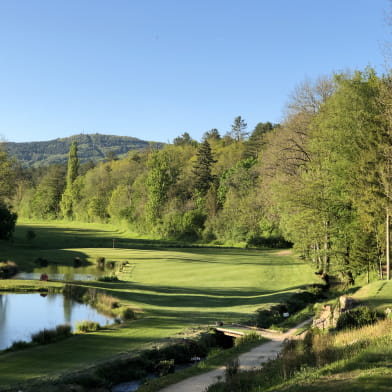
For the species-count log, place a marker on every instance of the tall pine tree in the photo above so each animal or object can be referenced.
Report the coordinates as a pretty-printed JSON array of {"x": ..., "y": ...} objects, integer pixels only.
[{"x": 202, "y": 169}]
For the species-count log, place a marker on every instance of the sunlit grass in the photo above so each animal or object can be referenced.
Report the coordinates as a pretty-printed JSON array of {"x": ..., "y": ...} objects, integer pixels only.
[{"x": 171, "y": 289}]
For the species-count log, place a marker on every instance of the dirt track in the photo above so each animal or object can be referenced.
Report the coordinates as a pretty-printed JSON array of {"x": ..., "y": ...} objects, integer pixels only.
[{"x": 250, "y": 360}]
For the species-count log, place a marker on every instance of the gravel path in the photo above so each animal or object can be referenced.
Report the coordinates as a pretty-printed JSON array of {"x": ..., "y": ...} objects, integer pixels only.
[{"x": 248, "y": 361}]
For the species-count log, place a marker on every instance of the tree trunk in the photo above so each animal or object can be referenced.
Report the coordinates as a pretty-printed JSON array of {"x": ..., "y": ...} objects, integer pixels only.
[
  {"x": 327, "y": 246},
  {"x": 387, "y": 244}
]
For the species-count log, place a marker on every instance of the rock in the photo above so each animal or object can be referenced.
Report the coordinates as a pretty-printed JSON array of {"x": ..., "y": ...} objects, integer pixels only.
[{"x": 346, "y": 303}]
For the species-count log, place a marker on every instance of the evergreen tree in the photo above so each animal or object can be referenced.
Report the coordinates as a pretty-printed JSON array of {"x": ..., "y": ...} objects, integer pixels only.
[
  {"x": 72, "y": 172},
  {"x": 238, "y": 129},
  {"x": 257, "y": 139},
  {"x": 212, "y": 134},
  {"x": 202, "y": 169}
]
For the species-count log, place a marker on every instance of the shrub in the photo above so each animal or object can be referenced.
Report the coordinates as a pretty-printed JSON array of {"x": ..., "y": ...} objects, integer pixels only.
[
  {"x": 63, "y": 330},
  {"x": 247, "y": 338},
  {"x": 101, "y": 262},
  {"x": 126, "y": 313},
  {"x": 18, "y": 345},
  {"x": 110, "y": 264},
  {"x": 8, "y": 269},
  {"x": 7, "y": 222},
  {"x": 298, "y": 301},
  {"x": 355, "y": 318},
  {"x": 232, "y": 368},
  {"x": 87, "y": 326},
  {"x": 107, "y": 301},
  {"x": 47, "y": 336},
  {"x": 106, "y": 278},
  {"x": 165, "y": 367},
  {"x": 266, "y": 317}
]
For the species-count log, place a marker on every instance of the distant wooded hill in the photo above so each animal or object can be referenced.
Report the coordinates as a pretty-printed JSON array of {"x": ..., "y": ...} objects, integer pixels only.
[{"x": 94, "y": 147}]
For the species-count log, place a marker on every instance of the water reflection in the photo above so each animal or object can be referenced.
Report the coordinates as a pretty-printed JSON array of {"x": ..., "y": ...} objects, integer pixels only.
[
  {"x": 60, "y": 272},
  {"x": 24, "y": 314}
]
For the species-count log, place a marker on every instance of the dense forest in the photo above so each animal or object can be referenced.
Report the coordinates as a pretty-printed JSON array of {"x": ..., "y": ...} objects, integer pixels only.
[
  {"x": 91, "y": 147},
  {"x": 319, "y": 180}
]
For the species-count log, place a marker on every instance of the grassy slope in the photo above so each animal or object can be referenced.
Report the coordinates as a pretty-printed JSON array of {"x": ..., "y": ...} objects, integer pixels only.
[
  {"x": 377, "y": 294},
  {"x": 173, "y": 289},
  {"x": 370, "y": 369}
]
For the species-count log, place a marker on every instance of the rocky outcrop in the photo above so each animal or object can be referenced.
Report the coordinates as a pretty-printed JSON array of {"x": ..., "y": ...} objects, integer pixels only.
[{"x": 330, "y": 315}]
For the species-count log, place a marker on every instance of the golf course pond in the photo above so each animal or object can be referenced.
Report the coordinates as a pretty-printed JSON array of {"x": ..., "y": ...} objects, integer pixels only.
[
  {"x": 65, "y": 273},
  {"x": 24, "y": 314}
]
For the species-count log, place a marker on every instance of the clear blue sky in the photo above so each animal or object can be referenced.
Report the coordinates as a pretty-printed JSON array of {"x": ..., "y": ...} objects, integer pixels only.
[{"x": 155, "y": 69}]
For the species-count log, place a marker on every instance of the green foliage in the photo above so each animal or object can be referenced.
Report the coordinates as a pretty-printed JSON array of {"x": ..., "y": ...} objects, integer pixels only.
[
  {"x": 161, "y": 176},
  {"x": 257, "y": 139},
  {"x": 108, "y": 278},
  {"x": 202, "y": 168},
  {"x": 47, "y": 336},
  {"x": 267, "y": 317},
  {"x": 238, "y": 128},
  {"x": 183, "y": 140},
  {"x": 126, "y": 313},
  {"x": 7, "y": 175},
  {"x": 72, "y": 173},
  {"x": 47, "y": 197},
  {"x": 8, "y": 269},
  {"x": 356, "y": 318},
  {"x": 87, "y": 326},
  {"x": 232, "y": 369},
  {"x": 7, "y": 222}
]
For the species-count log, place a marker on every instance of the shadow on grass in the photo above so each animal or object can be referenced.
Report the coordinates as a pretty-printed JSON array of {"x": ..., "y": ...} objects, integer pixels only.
[
  {"x": 180, "y": 297},
  {"x": 52, "y": 237}
]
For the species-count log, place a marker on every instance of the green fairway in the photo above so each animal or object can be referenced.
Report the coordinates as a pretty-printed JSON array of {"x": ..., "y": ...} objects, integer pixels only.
[{"x": 172, "y": 289}]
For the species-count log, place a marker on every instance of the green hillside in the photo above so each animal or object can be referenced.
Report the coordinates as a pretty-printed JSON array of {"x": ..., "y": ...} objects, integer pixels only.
[{"x": 94, "y": 147}]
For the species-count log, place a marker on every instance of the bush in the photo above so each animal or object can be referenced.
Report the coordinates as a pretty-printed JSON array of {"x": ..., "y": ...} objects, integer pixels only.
[
  {"x": 7, "y": 222},
  {"x": 8, "y": 269},
  {"x": 358, "y": 317},
  {"x": 107, "y": 302},
  {"x": 266, "y": 317},
  {"x": 126, "y": 313},
  {"x": 299, "y": 301},
  {"x": 101, "y": 262},
  {"x": 232, "y": 368},
  {"x": 276, "y": 242},
  {"x": 47, "y": 336},
  {"x": 106, "y": 278},
  {"x": 247, "y": 338},
  {"x": 165, "y": 367},
  {"x": 110, "y": 264},
  {"x": 63, "y": 330},
  {"x": 18, "y": 345},
  {"x": 87, "y": 326}
]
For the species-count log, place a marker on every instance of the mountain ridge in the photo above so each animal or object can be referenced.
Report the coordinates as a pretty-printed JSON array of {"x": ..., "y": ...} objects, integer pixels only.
[{"x": 91, "y": 147}]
